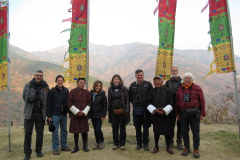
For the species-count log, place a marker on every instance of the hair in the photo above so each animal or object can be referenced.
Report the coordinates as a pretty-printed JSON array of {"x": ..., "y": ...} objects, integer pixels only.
[
  {"x": 116, "y": 75},
  {"x": 186, "y": 75},
  {"x": 138, "y": 71},
  {"x": 59, "y": 76},
  {"x": 172, "y": 67},
  {"x": 81, "y": 79},
  {"x": 38, "y": 71},
  {"x": 95, "y": 84}
]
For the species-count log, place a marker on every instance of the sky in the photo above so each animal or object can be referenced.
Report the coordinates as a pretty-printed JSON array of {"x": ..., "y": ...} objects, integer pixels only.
[{"x": 35, "y": 25}]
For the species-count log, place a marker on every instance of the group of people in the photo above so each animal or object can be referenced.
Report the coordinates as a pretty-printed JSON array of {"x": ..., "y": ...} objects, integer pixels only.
[{"x": 179, "y": 99}]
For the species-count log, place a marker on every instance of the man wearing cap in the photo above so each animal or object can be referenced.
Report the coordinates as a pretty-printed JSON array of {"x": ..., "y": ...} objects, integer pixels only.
[
  {"x": 57, "y": 113},
  {"x": 138, "y": 92},
  {"x": 160, "y": 99},
  {"x": 35, "y": 98},
  {"x": 173, "y": 84}
]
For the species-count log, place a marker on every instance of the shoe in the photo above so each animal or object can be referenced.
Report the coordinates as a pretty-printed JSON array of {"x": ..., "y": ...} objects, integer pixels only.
[
  {"x": 155, "y": 150},
  {"x": 40, "y": 154},
  {"x": 179, "y": 144},
  {"x": 196, "y": 153},
  {"x": 66, "y": 149},
  {"x": 170, "y": 151},
  {"x": 146, "y": 148},
  {"x": 186, "y": 151},
  {"x": 27, "y": 157},
  {"x": 101, "y": 145},
  {"x": 114, "y": 147},
  {"x": 56, "y": 152},
  {"x": 123, "y": 147},
  {"x": 138, "y": 147},
  {"x": 95, "y": 146},
  {"x": 85, "y": 148},
  {"x": 75, "y": 149}
]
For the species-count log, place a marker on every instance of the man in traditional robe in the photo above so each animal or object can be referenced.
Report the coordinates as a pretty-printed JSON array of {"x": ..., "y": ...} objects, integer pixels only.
[
  {"x": 79, "y": 101},
  {"x": 160, "y": 98}
]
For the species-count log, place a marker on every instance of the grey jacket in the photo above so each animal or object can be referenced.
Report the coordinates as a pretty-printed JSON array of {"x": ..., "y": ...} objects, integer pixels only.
[{"x": 29, "y": 92}]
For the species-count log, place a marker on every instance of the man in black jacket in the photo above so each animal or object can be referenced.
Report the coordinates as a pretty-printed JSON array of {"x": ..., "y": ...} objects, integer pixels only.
[
  {"x": 138, "y": 92},
  {"x": 57, "y": 112},
  {"x": 173, "y": 85}
]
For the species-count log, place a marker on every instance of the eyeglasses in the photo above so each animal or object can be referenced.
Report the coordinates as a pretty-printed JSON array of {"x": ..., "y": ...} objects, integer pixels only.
[{"x": 38, "y": 75}]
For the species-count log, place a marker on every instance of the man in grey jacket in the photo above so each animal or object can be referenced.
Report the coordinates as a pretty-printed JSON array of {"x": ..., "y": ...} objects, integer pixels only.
[{"x": 35, "y": 98}]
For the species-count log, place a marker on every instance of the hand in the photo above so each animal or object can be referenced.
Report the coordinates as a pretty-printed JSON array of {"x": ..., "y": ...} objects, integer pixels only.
[
  {"x": 50, "y": 119},
  {"x": 80, "y": 113},
  {"x": 156, "y": 111},
  {"x": 201, "y": 117},
  {"x": 161, "y": 111},
  {"x": 102, "y": 119},
  {"x": 178, "y": 117}
]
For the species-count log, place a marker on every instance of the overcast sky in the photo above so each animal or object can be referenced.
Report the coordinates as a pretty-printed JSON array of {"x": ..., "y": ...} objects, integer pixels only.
[{"x": 36, "y": 24}]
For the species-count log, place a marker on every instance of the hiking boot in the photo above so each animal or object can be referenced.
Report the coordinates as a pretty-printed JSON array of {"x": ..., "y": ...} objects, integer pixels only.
[
  {"x": 56, "y": 152},
  {"x": 27, "y": 157},
  {"x": 75, "y": 149},
  {"x": 114, "y": 147},
  {"x": 146, "y": 148},
  {"x": 95, "y": 146},
  {"x": 39, "y": 154},
  {"x": 66, "y": 149},
  {"x": 101, "y": 145},
  {"x": 138, "y": 147},
  {"x": 123, "y": 147},
  {"x": 186, "y": 151},
  {"x": 196, "y": 153},
  {"x": 170, "y": 151},
  {"x": 179, "y": 144},
  {"x": 155, "y": 150}
]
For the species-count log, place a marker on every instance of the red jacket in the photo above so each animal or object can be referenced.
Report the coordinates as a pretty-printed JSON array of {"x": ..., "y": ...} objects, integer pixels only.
[{"x": 196, "y": 99}]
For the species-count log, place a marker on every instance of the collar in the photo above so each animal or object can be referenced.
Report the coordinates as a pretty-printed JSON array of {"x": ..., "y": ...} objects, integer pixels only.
[{"x": 140, "y": 84}]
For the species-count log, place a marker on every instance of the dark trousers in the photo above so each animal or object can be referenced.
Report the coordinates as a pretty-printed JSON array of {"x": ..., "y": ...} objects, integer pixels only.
[
  {"x": 194, "y": 123},
  {"x": 179, "y": 132},
  {"x": 167, "y": 139},
  {"x": 118, "y": 122},
  {"x": 139, "y": 121},
  {"x": 36, "y": 119},
  {"x": 84, "y": 139},
  {"x": 97, "y": 125}
]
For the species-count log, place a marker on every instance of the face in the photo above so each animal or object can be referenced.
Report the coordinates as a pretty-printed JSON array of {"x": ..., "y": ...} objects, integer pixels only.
[
  {"x": 158, "y": 83},
  {"x": 38, "y": 77},
  {"x": 99, "y": 87},
  {"x": 60, "y": 82},
  {"x": 139, "y": 76},
  {"x": 81, "y": 84},
  {"x": 116, "y": 81},
  {"x": 187, "y": 80},
  {"x": 174, "y": 71}
]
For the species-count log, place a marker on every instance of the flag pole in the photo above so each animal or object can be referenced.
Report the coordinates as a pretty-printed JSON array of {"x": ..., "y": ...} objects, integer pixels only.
[
  {"x": 234, "y": 69},
  {"x": 87, "y": 66},
  {"x": 8, "y": 79}
]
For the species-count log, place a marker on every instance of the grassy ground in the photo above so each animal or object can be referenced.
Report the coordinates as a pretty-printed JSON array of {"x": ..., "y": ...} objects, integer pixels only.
[{"x": 217, "y": 142}]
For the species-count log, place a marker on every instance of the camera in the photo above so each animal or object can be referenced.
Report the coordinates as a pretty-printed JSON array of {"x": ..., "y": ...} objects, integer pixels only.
[
  {"x": 138, "y": 97},
  {"x": 186, "y": 98}
]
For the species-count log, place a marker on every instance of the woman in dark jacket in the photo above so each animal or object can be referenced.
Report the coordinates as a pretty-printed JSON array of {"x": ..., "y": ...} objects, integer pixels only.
[
  {"x": 118, "y": 111},
  {"x": 190, "y": 110},
  {"x": 98, "y": 112}
]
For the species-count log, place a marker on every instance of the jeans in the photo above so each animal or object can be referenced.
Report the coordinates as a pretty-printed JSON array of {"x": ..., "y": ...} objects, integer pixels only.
[
  {"x": 194, "y": 123},
  {"x": 97, "y": 125},
  {"x": 37, "y": 119},
  {"x": 118, "y": 121},
  {"x": 139, "y": 121},
  {"x": 62, "y": 121}
]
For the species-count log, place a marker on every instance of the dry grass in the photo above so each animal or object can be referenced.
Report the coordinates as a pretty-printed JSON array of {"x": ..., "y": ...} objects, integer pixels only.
[{"x": 212, "y": 147}]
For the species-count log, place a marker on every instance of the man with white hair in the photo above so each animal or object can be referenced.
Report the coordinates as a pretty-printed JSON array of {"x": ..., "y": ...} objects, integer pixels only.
[{"x": 173, "y": 84}]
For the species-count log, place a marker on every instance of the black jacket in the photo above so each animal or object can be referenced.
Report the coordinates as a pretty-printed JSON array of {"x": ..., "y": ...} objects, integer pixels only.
[
  {"x": 56, "y": 98},
  {"x": 98, "y": 106}
]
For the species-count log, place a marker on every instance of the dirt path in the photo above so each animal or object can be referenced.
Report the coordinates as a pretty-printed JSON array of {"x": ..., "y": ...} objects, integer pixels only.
[{"x": 210, "y": 148}]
